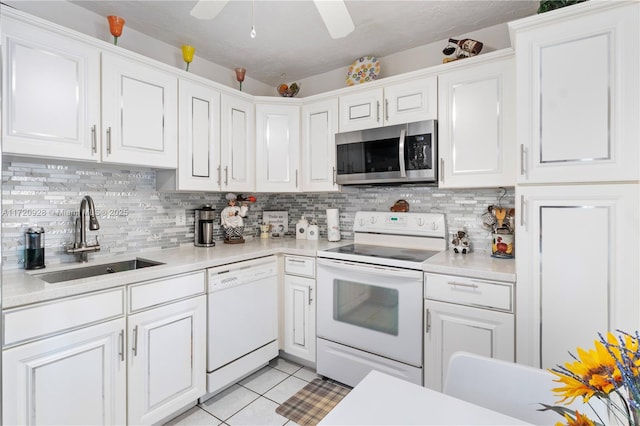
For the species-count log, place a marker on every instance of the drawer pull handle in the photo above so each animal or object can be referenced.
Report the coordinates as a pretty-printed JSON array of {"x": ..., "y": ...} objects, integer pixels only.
[
  {"x": 310, "y": 298},
  {"x": 121, "y": 345},
  {"x": 296, "y": 261},
  {"x": 427, "y": 322},
  {"x": 135, "y": 341},
  {"x": 456, "y": 284}
]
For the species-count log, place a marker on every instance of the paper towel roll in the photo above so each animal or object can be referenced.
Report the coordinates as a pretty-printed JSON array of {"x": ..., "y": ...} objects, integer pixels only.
[{"x": 333, "y": 225}]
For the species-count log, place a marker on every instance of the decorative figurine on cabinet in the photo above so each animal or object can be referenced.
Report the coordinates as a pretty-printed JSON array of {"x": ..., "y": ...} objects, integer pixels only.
[
  {"x": 231, "y": 220},
  {"x": 460, "y": 243}
]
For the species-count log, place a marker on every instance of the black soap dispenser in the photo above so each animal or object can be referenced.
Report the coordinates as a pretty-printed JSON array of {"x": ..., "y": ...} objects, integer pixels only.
[{"x": 34, "y": 248}]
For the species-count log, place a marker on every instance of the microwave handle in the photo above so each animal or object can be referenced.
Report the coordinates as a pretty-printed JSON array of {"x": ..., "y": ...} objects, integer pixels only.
[{"x": 403, "y": 170}]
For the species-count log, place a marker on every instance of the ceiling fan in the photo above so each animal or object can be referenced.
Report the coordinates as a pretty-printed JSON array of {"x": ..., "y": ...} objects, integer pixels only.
[{"x": 334, "y": 13}]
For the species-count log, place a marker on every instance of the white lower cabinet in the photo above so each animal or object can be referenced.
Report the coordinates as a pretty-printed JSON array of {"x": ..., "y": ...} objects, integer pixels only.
[
  {"x": 77, "y": 377},
  {"x": 166, "y": 357},
  {"x": 300, "y": 307},
  {"x": 465, "y": 314}
]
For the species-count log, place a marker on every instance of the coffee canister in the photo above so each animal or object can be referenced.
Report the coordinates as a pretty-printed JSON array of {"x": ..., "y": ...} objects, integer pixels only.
[{"x": 34, "y": 248}]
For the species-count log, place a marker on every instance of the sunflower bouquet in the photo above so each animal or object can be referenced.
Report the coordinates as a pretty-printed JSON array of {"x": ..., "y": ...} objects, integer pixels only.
[{"x": 610, "y": 373}]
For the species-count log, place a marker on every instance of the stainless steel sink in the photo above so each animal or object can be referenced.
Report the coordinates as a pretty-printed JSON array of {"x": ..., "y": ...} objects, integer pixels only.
[{"x": 96, "y": 270}]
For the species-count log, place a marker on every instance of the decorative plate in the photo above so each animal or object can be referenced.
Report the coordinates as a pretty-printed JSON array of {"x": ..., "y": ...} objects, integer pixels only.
[{"x": 362, "y": 70}]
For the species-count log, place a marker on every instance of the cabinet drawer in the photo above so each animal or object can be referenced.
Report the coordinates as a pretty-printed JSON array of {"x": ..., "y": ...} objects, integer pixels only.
[
  {"x": 40, "y": 320},
  {"x": 296, "y": 265},
  {"x": 152, "y": 293},
  {"x": 469, "y": 291}
]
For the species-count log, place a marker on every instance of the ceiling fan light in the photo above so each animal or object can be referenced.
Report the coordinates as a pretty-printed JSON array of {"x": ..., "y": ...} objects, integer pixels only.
[{"x": 336, "y": 17}]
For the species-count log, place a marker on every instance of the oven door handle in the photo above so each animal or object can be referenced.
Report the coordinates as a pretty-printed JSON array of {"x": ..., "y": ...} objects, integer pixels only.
[
  {"x": 403, "y": 166},
  {"x": 370, "y": 269}
]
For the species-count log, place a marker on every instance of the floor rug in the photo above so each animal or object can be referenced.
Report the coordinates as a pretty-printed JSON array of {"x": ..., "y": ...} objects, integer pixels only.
[{"x": 311, "y": 403}]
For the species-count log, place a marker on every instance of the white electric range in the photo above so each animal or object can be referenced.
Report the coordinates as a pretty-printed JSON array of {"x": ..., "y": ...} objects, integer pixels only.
[{"x": 370, "y": 295}]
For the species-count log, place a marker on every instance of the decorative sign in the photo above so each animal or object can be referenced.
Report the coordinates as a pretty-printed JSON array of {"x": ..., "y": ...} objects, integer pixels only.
[{"x": 279, "y": 221}]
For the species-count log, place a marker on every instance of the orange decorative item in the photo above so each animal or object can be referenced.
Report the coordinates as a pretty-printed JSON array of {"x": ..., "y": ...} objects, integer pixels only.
[
  {"x": 240, "y": 76},
  {"x": 116, "y": 24},
  {"x": 187, "y": 54}
]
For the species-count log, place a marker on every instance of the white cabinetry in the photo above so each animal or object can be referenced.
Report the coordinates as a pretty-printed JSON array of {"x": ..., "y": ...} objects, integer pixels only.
[
  {"x": 277, "y": 147},
  {"x": 51, "y": 92},
  {"x": 198, "y": 141},
  {"x": 579, "y": 94},
  {"x": 319, "y": 128},
  {"x": 300, "y": 307},
  {"x": 167, "y": 347},
  {"x": 406, "y": 102},
  {"x": 580, "y": 276},
  {"x": 465, "y": 314},
  {"x": 237, "y": 128},
  {"x": 139, "y": 113},
  {"x": 476, "y": 124},
  {"x": 65, "y": 361}
]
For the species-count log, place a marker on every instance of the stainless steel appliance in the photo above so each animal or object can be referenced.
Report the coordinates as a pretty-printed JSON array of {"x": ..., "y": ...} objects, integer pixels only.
[
  {"x": 391, "y": 154},
  {"x": 204, "y": 226},
  {"x": 242, "y": 329},
  {"x": 370, "y": 296}
]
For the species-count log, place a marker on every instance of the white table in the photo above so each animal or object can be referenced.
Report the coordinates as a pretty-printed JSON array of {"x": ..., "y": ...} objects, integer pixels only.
[{"x": 380, "y": 399}]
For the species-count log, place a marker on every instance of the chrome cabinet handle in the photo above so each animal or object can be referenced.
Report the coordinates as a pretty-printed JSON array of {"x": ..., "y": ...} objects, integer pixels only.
[
  {"x": 521, "y": 159},
  {"x": 94, "y": 142},
  {"x": 108, "y": 140},
  {"x": 134, "y": 346},
  {"x": 442, "y": 170},
  {"x": 310, "y": 298},
  {"x": 296, "y": 261},
  {"x": 378, "y": 111},
  {"x": 522, "y": 210},
  {"x": 386, "y": 109},
  {"x": 296, "y": 178},
  {"x": 226, "y": 175},
  {"x": 121, "y": 345},
  {"x": 427, "y": 322},
  {"x": 457, "y": 284},
  {"x": 219, "y": 175},
  {"x": 334, "y": 175}
]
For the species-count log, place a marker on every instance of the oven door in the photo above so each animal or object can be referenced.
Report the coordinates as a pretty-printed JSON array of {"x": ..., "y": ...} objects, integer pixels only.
[{"x": 377, "y": 309}]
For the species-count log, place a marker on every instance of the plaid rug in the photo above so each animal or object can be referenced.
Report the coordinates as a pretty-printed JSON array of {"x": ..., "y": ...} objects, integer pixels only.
[{"x": 311, "y": 403}]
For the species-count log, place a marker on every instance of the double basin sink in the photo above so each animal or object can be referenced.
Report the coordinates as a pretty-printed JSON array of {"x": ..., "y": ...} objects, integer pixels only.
[{"x": 96, "y": 270}]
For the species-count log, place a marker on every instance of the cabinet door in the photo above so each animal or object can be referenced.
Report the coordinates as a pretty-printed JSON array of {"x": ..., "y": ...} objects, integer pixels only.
[
  {"x": 277, "y": 148},
  {"x": 51, "y": 93},
  {"x": 237, "y": 127},
  {"x": 167, "y": 363},
  {"x": 300, "y": 317},
  {"x": 579, "y": 96},
  {"x": 361, "y": 110},
  {"x": 415, "y": 100},
  {"x": 198, "y": 138},
  {"x": 73, "y": 378},
  {"x": 319, "y": 128},
  {"x": 139, "y": 114},
  {"x": 476, "y": 129},
  {"x": 452, "y": 328},
  {"x": 577, "y": 262}
]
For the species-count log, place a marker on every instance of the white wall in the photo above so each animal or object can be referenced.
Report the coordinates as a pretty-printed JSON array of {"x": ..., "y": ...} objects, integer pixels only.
[{"x": 84, "y": 21}]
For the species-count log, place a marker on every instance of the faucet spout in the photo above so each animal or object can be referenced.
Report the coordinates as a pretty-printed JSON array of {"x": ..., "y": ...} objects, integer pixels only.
[{"x": 80, "y": 247}]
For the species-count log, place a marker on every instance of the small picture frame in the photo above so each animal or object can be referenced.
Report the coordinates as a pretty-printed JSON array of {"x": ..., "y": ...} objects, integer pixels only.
[{"x": 279, "y": 221}]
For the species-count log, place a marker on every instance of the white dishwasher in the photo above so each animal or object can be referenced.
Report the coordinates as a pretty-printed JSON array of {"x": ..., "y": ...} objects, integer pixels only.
[{"x": 242, "y": 324}]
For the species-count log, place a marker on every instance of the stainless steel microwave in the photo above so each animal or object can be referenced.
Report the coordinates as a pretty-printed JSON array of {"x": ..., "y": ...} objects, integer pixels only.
[{"x": 391, "y": 154}]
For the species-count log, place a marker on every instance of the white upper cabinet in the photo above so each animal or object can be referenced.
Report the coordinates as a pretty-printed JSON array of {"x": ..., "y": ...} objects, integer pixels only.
[
  {"x": 476, "y": 125},
  {"x": 578, "y": 93},
  {"x": 198, "y": 141},
  {"x": 406, "y": 102},
  {"x": 51, "y": 93},
  {"x": 277, "y": 148},
  {"x": 319, "y": 128},
  {"x": 139, "y": 113},
  {"x": 237, "y": 128}
]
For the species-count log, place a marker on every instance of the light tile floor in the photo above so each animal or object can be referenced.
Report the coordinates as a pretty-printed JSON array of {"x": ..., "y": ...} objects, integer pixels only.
[{"x": 253, "y": 400}]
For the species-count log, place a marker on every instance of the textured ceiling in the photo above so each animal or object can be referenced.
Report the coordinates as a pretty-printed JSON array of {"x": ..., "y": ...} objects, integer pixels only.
[{"x": 291, "y": 37}]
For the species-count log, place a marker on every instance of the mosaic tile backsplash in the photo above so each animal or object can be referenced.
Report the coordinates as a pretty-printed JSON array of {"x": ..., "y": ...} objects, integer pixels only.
[{"x": 134, "y": 217}]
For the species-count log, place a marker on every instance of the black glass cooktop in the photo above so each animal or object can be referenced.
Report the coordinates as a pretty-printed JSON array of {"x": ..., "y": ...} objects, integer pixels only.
[{"x": 397, "y": 253}]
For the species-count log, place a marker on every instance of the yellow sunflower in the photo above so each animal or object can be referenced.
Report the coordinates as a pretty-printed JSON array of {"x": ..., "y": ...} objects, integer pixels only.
[
  {"x": 580, "y": 420},
  {"x": 595, "y": 371}
]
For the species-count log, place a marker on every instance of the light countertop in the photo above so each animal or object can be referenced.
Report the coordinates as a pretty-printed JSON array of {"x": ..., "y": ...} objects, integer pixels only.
[{"x": 20, "y": 287}]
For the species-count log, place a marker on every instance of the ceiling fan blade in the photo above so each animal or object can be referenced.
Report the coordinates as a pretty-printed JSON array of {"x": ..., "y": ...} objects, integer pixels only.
[
  {"x": 208, "y": 9},
  {"x": 336, "y": 17}
]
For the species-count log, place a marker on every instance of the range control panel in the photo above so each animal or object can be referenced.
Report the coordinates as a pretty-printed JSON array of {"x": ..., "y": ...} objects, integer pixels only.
[{"x": 412, "y": 224}]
